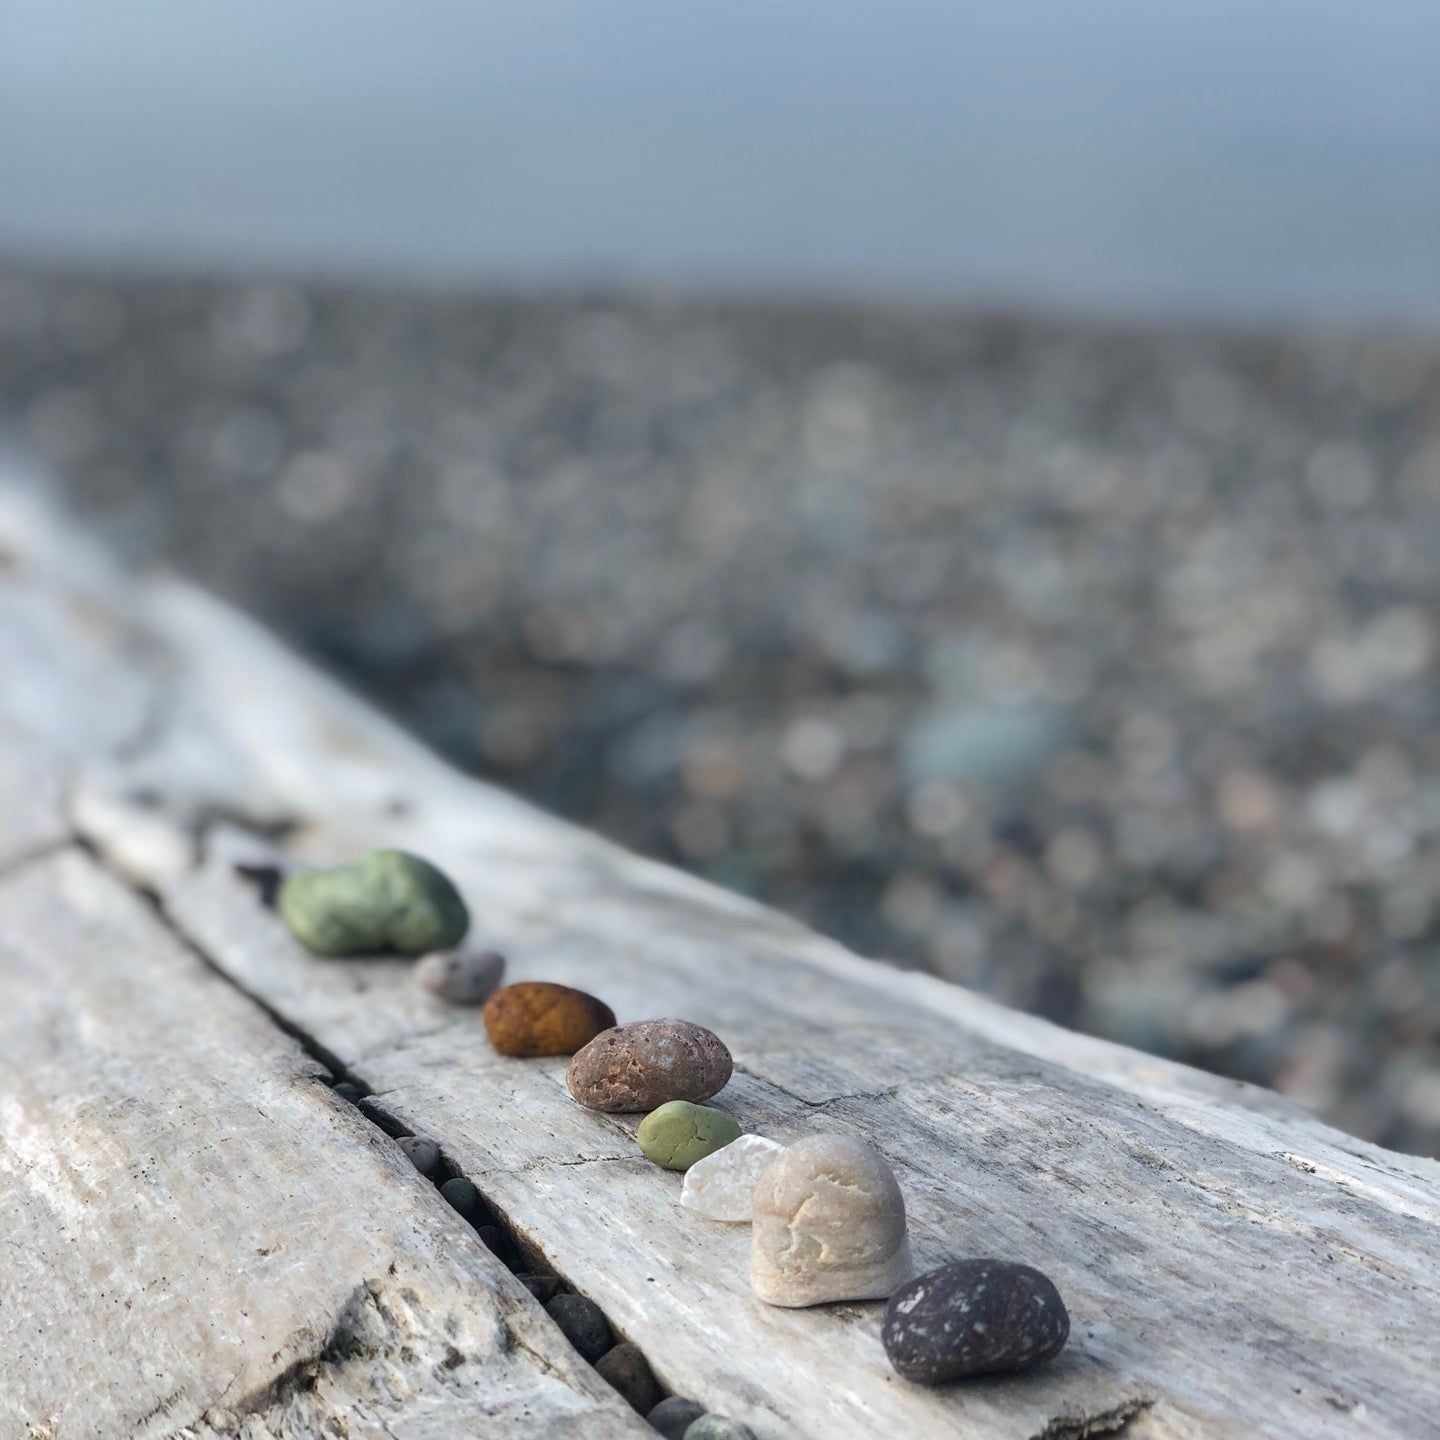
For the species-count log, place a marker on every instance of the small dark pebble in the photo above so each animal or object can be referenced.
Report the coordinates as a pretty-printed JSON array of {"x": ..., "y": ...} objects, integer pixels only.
[
  {"x": 583, "y": 1323},
  {"x": 542, "y": 1287},
  {"x": 462, "y": 1196},
  {"x": 346, "y": 1091},
  {"x": 673, "y": 1417},
  {"x": 718, "y": 1427},
  {"x": 974, "y": 1317},
  {"x": 624, "y": 1367},
  {"x": 463, "y": 977},
  {"x": 423, "y": 1154}
]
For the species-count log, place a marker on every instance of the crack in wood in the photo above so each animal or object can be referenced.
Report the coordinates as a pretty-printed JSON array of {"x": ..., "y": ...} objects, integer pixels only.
[
  {"x": 548, "y": 1163},
  {"x": 344, "y": 1343},
  {"x": 307, "y": 1042},
  {"x": 1114, "y": 1421},
  {"x": 861, "y": 1095}
]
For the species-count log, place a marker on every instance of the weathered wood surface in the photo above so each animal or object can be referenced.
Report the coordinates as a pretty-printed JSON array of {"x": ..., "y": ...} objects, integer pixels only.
[
  {"x": 1233, "y": 1267},
  {"x": 202, "y": 1240}
]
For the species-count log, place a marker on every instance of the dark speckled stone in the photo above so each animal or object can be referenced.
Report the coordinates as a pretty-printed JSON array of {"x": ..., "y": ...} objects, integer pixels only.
[{"x": 974, "y": 1317}]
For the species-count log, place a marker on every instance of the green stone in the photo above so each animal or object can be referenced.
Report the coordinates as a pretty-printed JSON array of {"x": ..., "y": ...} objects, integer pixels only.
[
  {"x": 679, "y": 1133},
  {"x": 386, "y": 901}
]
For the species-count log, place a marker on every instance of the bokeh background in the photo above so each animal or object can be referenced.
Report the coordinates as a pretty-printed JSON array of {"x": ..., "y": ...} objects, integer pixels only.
[{"x": 968, "y": 475}]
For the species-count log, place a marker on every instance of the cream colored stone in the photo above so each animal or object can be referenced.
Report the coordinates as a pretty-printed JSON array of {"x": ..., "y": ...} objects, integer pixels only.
[{"x": 829, "y": 1224}]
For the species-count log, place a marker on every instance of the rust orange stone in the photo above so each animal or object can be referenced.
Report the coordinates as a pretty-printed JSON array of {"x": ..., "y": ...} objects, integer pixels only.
[{"x": 537, "y": 1017}]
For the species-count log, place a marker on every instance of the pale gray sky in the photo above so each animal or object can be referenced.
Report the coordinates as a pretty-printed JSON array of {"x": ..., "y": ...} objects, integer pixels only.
[{"x": 1259, "y": 157}]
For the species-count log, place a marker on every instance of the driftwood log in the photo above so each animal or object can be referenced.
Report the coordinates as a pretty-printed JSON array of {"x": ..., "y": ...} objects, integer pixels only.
[{"x": 202, "y": 1239}]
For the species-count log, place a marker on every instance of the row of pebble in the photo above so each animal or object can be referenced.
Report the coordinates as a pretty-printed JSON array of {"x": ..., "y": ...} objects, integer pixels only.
[
  {"x": 389, "y": 901},
  {"x": 828, "y": 1216}
]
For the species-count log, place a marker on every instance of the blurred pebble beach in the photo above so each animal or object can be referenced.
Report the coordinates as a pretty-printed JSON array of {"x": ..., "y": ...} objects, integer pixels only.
[{"x": 1091, "y": 667}]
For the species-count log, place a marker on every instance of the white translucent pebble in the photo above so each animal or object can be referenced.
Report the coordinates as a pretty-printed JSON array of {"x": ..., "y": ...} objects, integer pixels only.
[
  {"x": 829, "y": 1224},
  {"x": 721, "y": 1185}
]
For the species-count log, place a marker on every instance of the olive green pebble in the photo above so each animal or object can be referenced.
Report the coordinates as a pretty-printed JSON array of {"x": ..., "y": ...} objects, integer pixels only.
[
  {"x": 680, "y": 1132},
  {"x": 384, "y": 902}
]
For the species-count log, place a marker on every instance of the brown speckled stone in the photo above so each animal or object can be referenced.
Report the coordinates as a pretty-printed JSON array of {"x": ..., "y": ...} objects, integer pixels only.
[
  {"x": 974, "y": 1317},
  {"x": 535, "y": 1017},
  {"x": 644, "y": 1065}
]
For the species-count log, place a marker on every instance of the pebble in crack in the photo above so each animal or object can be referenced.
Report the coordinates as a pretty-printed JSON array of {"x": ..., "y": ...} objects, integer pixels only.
[
  {"x": 829, "y": 1225},
  {"x": 974, "y": 1317},
  {"x": 460, "y": 1194},
  {"x": 542, "y": 1287},
  {"x": 423, "y": 1153},
  {"x": 718, "y": 1427},
  {"x": 463, "y": 977},
  {"x": 679, "y": 1133},
  {"x": 536, "y": 1017},
  {"x": 628, "y": 1371},
  {"x": 674, "y": 1416},
  {"x": 583, "y": 1324},
  {"x": 722, "y": 1185},
  {"x": 384, "y": 902},
  {"x": 641, "y": 1066}
]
